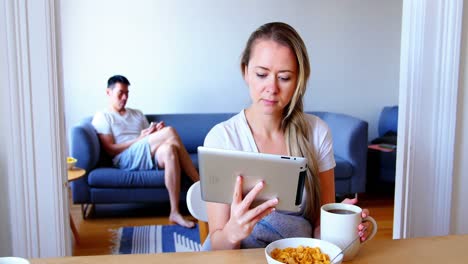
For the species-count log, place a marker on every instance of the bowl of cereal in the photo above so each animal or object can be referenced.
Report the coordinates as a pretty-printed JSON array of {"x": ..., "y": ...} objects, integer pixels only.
[{"x": 302, "y": 250}]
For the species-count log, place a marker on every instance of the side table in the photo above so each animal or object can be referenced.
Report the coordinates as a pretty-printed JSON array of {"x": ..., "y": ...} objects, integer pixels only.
[
  {"x": 381, "y": 167},
  {"x": 74, "y": 174}
]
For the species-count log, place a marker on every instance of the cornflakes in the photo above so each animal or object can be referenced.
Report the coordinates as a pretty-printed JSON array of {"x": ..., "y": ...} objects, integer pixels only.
[{"x": 300, "y": 255}]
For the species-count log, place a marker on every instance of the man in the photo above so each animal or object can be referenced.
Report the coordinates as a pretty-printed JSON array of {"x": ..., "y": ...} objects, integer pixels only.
[{"x": 136, "y": 145}]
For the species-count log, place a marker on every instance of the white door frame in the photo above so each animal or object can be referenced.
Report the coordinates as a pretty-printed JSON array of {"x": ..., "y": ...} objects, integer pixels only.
[
  {"x": 429, "y": 66},
  {"x": 38, "y": 203}
]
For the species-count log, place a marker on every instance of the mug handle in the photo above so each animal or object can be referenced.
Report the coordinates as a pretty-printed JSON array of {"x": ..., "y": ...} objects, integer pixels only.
[{"x": 374, "y": 228}]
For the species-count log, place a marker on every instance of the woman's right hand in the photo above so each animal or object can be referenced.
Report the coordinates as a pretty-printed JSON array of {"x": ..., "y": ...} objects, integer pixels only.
[{"x": 243, "y": 219}]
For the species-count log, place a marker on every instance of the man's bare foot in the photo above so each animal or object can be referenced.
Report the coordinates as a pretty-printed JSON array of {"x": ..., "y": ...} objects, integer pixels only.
[{"x": 178, "y": 219}]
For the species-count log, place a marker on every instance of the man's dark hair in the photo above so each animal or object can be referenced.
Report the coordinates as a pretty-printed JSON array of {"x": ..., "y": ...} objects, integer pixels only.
[{"x": 117, "y": 79}]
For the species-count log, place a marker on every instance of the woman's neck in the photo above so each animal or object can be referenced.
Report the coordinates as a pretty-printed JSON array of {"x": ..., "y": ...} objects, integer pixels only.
[
  {"x": 263, "y": 124},
  {"x": 266, "y": 131}
]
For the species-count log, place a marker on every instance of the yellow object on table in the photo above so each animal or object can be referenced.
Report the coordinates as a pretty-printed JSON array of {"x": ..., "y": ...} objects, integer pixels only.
[{"x": 71, "y": 162}]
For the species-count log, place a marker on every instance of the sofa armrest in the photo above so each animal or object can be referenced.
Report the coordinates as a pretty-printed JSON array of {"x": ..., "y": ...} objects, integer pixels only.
[
  {"x": 350, "y": 143},
  {"x": 85, "y": 147}
]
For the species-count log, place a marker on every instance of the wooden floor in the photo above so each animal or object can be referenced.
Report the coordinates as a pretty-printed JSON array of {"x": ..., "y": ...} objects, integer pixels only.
[{"x": 96, "y": 231}]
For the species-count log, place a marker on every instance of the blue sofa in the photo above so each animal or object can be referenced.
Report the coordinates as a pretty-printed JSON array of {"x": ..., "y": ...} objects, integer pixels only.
[{"x": 104, "y": 184}]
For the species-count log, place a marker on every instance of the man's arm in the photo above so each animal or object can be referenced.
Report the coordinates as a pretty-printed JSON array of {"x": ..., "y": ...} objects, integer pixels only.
[{"x": 114, "y": 149}]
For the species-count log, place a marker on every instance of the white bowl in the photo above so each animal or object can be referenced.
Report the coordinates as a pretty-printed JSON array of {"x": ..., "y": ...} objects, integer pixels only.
[
  {"x": 326, "y": 247},
  {"x": 13, "y": 260}
]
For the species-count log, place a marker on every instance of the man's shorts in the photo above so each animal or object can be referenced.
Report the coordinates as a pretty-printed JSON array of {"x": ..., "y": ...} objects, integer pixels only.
[{"x": 137, "y": 157}]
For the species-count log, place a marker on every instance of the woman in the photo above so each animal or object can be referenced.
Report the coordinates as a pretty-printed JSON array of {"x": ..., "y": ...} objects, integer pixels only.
[{"x": 276, "y": 68}]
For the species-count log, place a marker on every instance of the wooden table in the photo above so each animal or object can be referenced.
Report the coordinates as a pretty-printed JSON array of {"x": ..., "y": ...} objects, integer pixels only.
[
  {"x": 74, "y": 174},
  {"x": 448, "y": 249}
]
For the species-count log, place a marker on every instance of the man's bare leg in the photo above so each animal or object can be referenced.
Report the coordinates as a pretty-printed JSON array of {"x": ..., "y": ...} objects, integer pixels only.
[
  {"x": 186, "y": 161},
  {"x": 168, "y": 159},
  {"x": 169, "y": 135}
]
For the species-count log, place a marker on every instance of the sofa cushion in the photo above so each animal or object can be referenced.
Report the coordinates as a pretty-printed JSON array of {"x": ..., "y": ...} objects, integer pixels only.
[
  {"x": 116, "y": 178},
  {"x": 343, "y": 169},
  {"x": 113, "y": 177}
]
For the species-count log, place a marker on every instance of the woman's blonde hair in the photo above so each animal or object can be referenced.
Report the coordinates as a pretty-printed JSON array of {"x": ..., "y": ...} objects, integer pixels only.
[{"x": 294, "y": 123}]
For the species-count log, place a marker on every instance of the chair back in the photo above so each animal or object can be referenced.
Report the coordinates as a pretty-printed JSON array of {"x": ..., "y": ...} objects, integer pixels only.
[
  {"x": 195, "y": 204},
  {"x": 388, "y": 120}
]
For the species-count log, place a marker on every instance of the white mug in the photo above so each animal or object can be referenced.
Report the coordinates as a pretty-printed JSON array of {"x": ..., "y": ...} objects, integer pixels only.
[{"x": 339, "y": 225}]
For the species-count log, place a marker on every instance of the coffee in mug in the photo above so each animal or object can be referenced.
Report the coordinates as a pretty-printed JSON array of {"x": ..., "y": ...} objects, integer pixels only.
[
  {"x": 340, "y": 211},
  {"x": 339, "y": 225}
]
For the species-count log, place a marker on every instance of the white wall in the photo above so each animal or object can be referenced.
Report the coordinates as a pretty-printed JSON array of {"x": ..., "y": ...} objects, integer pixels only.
[
  {"x": 460, "y": 177},
  {"x": 178, "y": 54},
  {"x": 5, "y": 238}
]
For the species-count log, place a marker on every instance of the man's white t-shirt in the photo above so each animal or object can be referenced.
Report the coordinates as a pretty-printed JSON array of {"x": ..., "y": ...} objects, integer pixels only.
[
  {"x": 235, "y": 134},
  {"x": 122, "y": 127}
]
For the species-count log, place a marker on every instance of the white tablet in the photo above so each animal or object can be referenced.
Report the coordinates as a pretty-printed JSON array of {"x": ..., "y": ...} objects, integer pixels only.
[{"x": 284, "y": 176}]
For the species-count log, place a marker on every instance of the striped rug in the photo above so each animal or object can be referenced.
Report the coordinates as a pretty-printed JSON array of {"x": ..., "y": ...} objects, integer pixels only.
[{"x": 156, "y": 239}]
